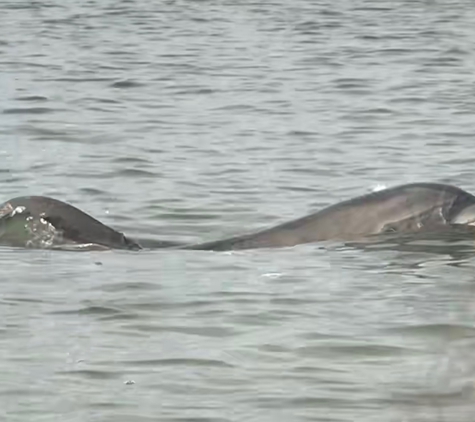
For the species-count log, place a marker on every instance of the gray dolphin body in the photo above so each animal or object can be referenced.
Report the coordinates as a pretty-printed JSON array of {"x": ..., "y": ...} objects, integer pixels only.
[
  {"x": 37, "y": 221},
  {"x": 412, "y": 208},
  {"x": 42, "y": 222}
]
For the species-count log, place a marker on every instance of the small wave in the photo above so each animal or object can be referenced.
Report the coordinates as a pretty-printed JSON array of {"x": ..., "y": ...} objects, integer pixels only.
[
  {"x": 29, "y": 110},
  {"x": 32, "y": 98},
  {"x": 126, "y": 84}
]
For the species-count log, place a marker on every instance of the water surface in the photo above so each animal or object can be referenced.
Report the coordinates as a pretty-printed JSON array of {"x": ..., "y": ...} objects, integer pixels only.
[{"x": 193, "y": 120}]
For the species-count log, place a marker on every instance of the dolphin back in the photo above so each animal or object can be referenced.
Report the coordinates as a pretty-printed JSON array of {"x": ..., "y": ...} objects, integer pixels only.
[
  {"x": 403, "y": 209},
  {"x": 411, "y": 208},
  {"x": 71, "y": 224}
]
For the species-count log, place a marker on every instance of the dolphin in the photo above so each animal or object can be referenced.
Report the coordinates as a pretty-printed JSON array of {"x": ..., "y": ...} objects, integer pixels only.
[
  {"x": 42, "y": 222},
  {"x": 405, "y": 209}
]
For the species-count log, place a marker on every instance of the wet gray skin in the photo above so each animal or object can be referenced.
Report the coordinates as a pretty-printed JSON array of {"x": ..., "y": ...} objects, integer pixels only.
[
  {"x": 412, "y": 208},
  {"x": 37, "y": 221}
]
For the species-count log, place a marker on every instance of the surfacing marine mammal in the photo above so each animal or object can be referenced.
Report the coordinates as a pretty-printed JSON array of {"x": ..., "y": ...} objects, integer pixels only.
[
  {"x": 42, "y": 222},
  {"x": 411, "y": 208},
  {"x": 37, "y": 221}
]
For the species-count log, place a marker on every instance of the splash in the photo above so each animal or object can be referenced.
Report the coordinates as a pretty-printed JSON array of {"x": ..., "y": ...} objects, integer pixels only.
[
  {"x": 378, "y": 187},
  {"x": 41, "y": 233}
]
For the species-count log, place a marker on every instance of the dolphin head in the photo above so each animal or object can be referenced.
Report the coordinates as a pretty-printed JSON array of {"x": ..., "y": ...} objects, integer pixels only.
[{"x": 465, "y": 216}]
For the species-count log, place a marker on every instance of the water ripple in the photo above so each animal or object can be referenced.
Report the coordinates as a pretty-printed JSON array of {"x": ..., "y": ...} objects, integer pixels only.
[{"x": 218, "y": 118}]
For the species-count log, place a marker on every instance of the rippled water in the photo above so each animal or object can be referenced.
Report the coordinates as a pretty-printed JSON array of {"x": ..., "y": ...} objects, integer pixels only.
[{"x": 192, "y": 120}]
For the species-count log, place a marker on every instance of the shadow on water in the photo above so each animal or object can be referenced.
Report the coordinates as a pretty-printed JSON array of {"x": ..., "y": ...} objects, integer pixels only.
[{"x": 458, "y": 244}]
